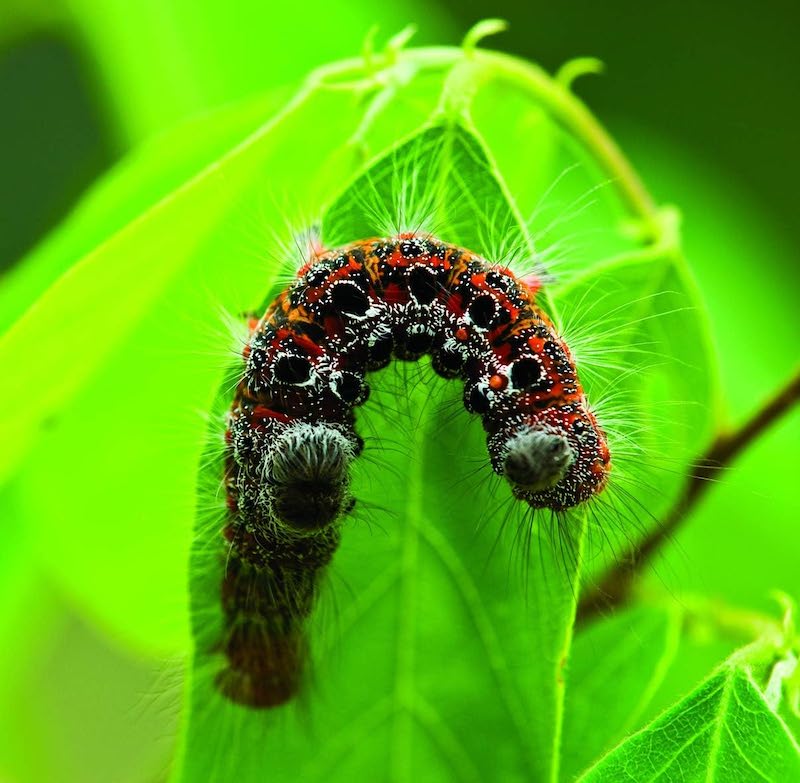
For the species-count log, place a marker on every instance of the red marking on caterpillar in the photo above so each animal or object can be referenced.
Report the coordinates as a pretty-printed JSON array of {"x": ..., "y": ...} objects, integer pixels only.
[
  {"x": 498, "y": 382},
  {"x": 292, "y": 435}
]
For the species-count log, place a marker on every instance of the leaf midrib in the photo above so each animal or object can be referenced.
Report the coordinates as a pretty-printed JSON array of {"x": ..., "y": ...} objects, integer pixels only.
[{"x": 403, "y": 697}]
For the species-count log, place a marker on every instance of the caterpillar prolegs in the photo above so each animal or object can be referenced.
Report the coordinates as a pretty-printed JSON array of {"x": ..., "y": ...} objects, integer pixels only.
[{"x": 291, "y": 433}]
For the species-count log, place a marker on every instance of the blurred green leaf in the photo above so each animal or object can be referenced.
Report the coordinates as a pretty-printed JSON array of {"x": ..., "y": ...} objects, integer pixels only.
[
  {"x": 143, "y": 309},
  {"x": 135, "y": 185},
  {"x": 146, "y": 315},
  {"x": 614, "y": 669},
  {"x": 729, "y": 549},
  {"x": 735, "y": 544},
  {"x": 159, "y": 63},
  {"x": 636, "y": 326}
]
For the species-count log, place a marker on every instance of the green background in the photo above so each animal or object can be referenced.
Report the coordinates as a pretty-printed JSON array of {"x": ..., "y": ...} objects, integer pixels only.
[{"x": 701, "y": 99}]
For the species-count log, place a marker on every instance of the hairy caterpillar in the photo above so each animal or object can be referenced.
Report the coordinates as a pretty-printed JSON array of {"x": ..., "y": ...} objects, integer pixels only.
[{"x": 291, "y": 429}]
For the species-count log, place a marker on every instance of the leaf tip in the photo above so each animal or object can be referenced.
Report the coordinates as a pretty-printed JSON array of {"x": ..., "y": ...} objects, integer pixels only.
[
  {"x": 577, "y": 67},
  {"x": 398, "y": 41},
  {"x": 481, "y": 30}
]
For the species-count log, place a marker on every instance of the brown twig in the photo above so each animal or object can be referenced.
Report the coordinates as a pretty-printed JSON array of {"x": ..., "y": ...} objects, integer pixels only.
[{"x": 614, "y": 588}]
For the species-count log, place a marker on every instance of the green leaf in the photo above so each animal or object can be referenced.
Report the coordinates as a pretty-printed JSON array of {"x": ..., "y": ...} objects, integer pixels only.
[
  {"x": 135, "y": 185},
  {"x": 442, "y": 699},
  {"x": 432, "y": 659},
  {"x": 723, "y": 731},
  {"x": 160, "y": 63},
  {"x": 615, "y": 667},
  {"x": 434, "y": 656},
  {"x": 134, "y": 326},
  {"x": 636, "y": 327},
  {"x": 729, "y": 555},
  {"x": 439, "y": 180}
]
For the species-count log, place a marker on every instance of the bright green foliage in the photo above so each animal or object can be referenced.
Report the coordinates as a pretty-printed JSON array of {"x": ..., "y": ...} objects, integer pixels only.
[
  {"x": 723, "y": 731},
  {"x": 443, "y": 643},
  {"x": 159, "y": 62},
  {"x": 614, "y": 669},
  {"x": 430, "y": 651},
  {"x": 140, "y": 181},
  {"x": 136, "y": 310},
  {"x": 423, "y": 641},
  {"x": 438, "y": 652}
]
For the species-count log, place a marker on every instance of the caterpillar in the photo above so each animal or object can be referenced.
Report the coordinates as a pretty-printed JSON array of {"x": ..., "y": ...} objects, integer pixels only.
[{"x": 291, "y": 430}]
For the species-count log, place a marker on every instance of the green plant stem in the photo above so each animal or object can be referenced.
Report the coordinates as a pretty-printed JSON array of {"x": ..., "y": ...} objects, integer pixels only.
[
  {"x": 573, "y": 115},
  {"x": 562, "y": 105},
  {"x": 616, "y": 586}
]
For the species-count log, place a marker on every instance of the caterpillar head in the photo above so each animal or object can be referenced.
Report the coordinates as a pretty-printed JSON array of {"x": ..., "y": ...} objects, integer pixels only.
[
  {"x": 557, "y": 460},
  {"x": 308, "y": 476}
]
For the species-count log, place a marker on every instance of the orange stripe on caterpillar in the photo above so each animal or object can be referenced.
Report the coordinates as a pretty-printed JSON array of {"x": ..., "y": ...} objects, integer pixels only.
[{"x": 291, "y": 429}]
